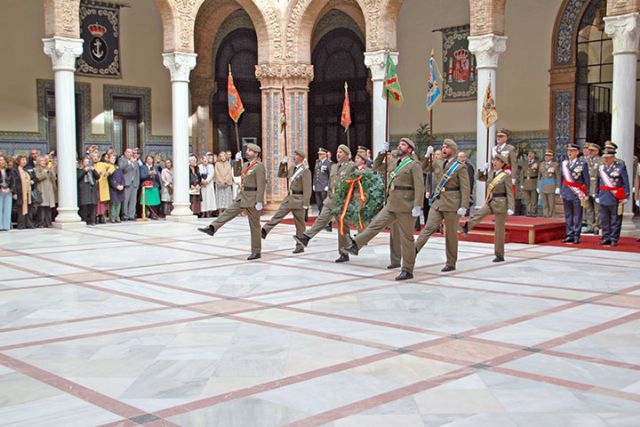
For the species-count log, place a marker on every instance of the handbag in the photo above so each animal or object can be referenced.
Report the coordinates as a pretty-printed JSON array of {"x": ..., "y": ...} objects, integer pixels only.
[{"x": 36, "y": 197}]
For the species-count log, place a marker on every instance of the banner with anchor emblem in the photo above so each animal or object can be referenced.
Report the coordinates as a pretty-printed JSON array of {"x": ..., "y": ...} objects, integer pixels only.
[{"x": 100, "y": 30}]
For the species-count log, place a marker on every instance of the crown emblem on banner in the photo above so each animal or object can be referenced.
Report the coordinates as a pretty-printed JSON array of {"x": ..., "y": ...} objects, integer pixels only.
[
  {"x": 97, "y": 30},
  {"x": 461, "y": 54}
]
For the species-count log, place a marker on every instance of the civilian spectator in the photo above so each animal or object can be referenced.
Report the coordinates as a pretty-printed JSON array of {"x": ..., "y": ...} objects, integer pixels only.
[
  {"x": 104, "y": 169},
  {"x": 166, "y": 189},
  {"x": 6, "y": 194},
  {"x": 150, "y": 179},
  {"x": 224, "y": 182},
  {"x": 46, "y": 184},
  {"x": 116, "y": 191},
  {"x": 87, "y": 191},
  {"x": 207, "y": 188},
  {"x": 194, "y": 185},
  {"x": 22, "y": 194}
]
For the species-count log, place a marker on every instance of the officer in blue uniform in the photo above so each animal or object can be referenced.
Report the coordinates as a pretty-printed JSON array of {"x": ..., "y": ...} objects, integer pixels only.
[
  {"x": 321, "y": 180},
  {"x": 574, "y": 192},
  {"x": 612, "y": 193}
]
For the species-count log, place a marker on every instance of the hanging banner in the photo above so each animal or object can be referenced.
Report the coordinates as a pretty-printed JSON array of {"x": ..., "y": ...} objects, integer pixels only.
[
  {"x": 100, "y": 30},
  {"x": 460, "y": 82}
]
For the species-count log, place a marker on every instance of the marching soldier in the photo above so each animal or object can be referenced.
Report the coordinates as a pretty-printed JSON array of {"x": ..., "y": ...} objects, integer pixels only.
[
  {"x": 592, "y": 209},
  {"x": 612, "y": 193},
  {"x": 508, "y": 151},
  {"x": 297, "y": 200},
  {"x": 499, "y": 201},
  {"x": 449, "y": 200},
  {"x": 575, "y": 178},
  {"x": 321, "y": 180},
  {"x": 382, "y": 165},
  {"x": 250, "y": 199},
  {"x": 530, "y": 183},
  {"x": 406, "y": 189},
  {"x": 339, "y": 171},
  {"x": 548, "y": 183}
]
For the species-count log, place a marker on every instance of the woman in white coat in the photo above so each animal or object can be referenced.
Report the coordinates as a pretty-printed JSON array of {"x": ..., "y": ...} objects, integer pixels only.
[{"x": 207, "y": 188}]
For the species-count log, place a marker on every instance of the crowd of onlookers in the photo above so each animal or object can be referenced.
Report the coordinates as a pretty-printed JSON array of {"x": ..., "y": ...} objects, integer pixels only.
[{"x": 111, "y": 187}]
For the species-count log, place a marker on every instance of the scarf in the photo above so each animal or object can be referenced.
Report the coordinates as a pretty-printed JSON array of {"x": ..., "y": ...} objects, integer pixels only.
[{"x": 25, "y": 179}]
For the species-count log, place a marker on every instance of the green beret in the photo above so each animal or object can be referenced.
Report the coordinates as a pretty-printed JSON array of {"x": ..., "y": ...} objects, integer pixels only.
[
  {"x": 301, "y": 153},
  {"x": 255, "y": 148},
  {"x": 344, "y": 148},
  {"x": 409, "y": 142}
]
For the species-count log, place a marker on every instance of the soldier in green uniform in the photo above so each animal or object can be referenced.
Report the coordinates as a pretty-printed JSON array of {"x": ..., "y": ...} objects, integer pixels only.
[
  {"x": 449, "y": 200},
  {"x": 298, "y": 198},
  {"x": 499, "y": 201},
  {"x": 381, "y": 165},
  {"x": 530, "y": 183},
  {"x": 548, "y": 183},
  {"x": 250, "y": 199},
  {"x": 508, "y": 151},
  {"x": 339, "y": 171},
  {"x": 406, "y": 189},
  {"x": 592, "y": 207}
]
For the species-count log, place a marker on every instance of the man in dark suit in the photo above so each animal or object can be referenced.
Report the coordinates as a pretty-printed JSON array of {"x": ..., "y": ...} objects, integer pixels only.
[
  {"x": 131, "y": 172},
  {"x": 321, "y": 180}
]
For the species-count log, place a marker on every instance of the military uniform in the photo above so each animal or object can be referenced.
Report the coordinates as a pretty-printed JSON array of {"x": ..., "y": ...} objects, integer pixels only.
[
  {"x": 509, "y": 152},
  {"x": 321, "y": 180},
  {"x": 612, "y": 190},
  {"x": 297, "y": 199},
  {"x": 592, "y": 209},
  {"x": 548, "y": 185},
  {"x": 499, "y": 200},
  {"x": 406, "y": 189},
  {"x": 453, "y": 196},
  {"x": 252, "y": 187},
  {"x": 530, "y": 185},
  {"x": 575, "y": 179},
  {"x": 395, "y": 248}
]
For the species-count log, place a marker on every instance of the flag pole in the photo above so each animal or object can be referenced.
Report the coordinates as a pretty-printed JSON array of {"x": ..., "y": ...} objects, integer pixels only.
[
  {"x": 235, "y": 124},
  {"x": 386, "y": 136},
  {"x": 346, "y": 94},
  {"x": 284, "y": 130}
]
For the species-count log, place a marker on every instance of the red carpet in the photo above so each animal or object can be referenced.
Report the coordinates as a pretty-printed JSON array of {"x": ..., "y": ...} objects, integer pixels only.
[{"x": 626, "y": 244}]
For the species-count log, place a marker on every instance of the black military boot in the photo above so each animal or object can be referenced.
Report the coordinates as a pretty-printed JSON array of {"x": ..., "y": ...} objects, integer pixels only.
[
  {"x": 208, "y": 230},
  {"x": 303, "y": 240}
]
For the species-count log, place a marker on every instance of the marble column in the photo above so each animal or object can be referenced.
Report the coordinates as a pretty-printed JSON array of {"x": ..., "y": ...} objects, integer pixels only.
[
  {"x": 295, "y": 78},
  {"x": 625, "y": 33},
  {"x": 487, "y": 50},
  {"x": 63, "y": 52},
  {"x": 377, "y": 63},
  {"x": 180, "y": 65}
]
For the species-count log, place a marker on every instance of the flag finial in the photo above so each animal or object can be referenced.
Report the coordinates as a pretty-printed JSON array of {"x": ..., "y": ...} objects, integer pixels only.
[
  {"x": 432, "y": 52},
  {"x": 229, "y": 68}
]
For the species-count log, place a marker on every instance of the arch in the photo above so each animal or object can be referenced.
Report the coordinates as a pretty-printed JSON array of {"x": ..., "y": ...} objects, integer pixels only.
[
  {"x": 62, "y": 18},
  {"x": 390, "y": 23}
]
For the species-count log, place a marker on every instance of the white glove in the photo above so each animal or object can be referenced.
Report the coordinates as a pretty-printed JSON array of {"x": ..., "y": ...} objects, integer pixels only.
[
  {"x": 598, "y": 200},
  {"x": 285, "y": 160},
  {"x": 557, "y": 191},
  {"x": 259, "y": 206},
  {"x": 638, "y": 203},
  {"x": 238, "y": 156},
  {"x": 385, "y": 146},
  {"x": 305, "y": 207},
  {"x": 508, "y": 171},
  {"x": 416, "y": 211},
  {"x": 538, "y": 190},
  {"x": 522, "y": 187},
  {"x": 509, "y": 212},
  {"x": 427, "y": 195},
  {"x": 326, "y": 188},
  {"x": 486, "y": 167},
  {"x": 462, "y": 211},
  {"x": 429, "y": 150}
]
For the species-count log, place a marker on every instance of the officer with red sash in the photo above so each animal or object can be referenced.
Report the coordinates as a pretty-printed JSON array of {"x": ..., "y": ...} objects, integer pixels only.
[
  {"x": 574, "y": 193},
  {"x": 612, "y": 193}
]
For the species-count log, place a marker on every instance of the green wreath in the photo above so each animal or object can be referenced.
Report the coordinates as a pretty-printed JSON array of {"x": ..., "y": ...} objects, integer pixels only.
[{"x": 373, "y": 188}]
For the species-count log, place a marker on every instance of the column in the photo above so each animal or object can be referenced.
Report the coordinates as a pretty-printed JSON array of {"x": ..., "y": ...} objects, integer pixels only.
[
  {"x": 180, "y": 65},
  {"x": 377, "y": 63},
  {"x": 625, "y": 32},
  {"x": 487, "y": 50},
  {"x": 63, "y": 52}
]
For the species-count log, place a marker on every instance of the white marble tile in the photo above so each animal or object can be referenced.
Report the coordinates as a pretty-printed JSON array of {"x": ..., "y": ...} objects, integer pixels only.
[
  {"x": 43, "y": 267},
  {"x": 155, "y": 292}
]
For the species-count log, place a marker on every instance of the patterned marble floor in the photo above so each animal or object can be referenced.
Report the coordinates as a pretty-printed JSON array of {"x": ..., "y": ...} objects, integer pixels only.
[{"x": 158, "y": 325}]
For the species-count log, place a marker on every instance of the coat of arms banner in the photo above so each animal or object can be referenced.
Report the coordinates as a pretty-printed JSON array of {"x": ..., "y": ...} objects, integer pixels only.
[
  {"x": 100, "y": 30},
  {"x": 460, "y": 83}
]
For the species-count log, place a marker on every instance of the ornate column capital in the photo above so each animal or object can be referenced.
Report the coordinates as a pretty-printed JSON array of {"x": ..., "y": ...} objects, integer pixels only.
[
  {"x": 179, "y": 64},
  {"x": 276, "y": 75},
  {"x": 377, "y": 63},
  {"x": 625, "y": 32},
  {"x": 63, "y": 52},
  {"x": 487, "y": 49}
]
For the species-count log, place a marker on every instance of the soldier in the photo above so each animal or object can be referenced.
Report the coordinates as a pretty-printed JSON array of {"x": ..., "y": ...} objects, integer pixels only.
[
  {"x": 612, "y": 193},
  {"x": 339, "y": 171},
  {"x": 508, "y": 151},
  {"x": 575, "y": 178},
  {"x": 592, "y": 209},
  {"x": 298, "y": 198},
  {"x": 360, "y": 160},
  {"x": 449, "y": 200},
  {"x": 406, "y": 187},
  {"x": 548, "y": 183},
  {"x": 499, "y": 201},
  {"x": 321, "y": 180},
  {"x": 250, "y": 199},
  {"x": 530, "y": 183},
  {"x": 381, "y": 165},
  {"x": 367, "y": 155}
]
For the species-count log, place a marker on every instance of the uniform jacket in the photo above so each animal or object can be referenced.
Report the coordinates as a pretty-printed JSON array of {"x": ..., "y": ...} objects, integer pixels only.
[
  {"x": 619, "y": 178},
  {"x": 321, "y": 174},
  {"x": 530, "y": 173},
  {"x": 502, "y": 196},
  {"x": 457, "y": 190},
  {"x": 406, "y": 188},
  {"x": 299, "y": 195},
  {"x": 580, "y": 173},
  {"x": 131, "y": 172},
  {"x": 594, "y": 164},
  {"x": 339, "y": 171},
  {"x": 549, "y": 171},
  {"x": 509, "y": 151},
  {"x": 253, "y": 183}
]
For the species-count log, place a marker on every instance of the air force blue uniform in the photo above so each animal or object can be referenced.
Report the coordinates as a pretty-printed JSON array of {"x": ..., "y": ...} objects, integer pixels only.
[
  {"x": 610, "y": 221},
  {"x": 572, "y": 204}
]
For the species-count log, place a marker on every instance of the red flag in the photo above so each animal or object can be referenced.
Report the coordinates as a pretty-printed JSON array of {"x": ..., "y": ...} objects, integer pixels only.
[
  {"x": 345, "y": 119},
  {"x": 235, "y": 103}
]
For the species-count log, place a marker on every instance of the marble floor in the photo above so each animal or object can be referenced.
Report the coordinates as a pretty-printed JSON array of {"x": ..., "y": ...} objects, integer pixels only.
[{"x": 156, "y": 324}]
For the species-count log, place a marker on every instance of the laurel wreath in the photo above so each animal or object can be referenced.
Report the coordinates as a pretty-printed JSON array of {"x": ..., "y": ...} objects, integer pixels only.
[{"x": 373, "y": 188}]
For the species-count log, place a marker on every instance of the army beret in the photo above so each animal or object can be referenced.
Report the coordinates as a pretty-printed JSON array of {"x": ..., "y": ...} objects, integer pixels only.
[
  {"x": 610, "y": 145},
  {"x": 255, "y": 148},
  {"x": 504, "y": 131},
  {"x": 609, "y": 152},
  {"x": 322, "y": 150},
  {"x": 362, "y": 154},
  {"x": 301, "y": 153},
  {"x": 362, "y": 148},
  {"x": 344, "y": 148},
  {"x": 502, "y": 158},
  {"x": 409, "y": 142},
  {"x": 450, "y": 143}
]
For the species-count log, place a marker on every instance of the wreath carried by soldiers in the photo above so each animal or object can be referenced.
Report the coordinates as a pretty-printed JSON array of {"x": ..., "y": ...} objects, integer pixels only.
[{"x": 360, "y": 196}]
